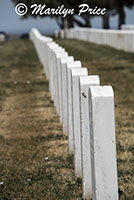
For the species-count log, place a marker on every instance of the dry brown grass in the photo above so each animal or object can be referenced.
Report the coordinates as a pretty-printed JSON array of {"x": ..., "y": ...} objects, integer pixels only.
[{"x": 34, "y": 160}]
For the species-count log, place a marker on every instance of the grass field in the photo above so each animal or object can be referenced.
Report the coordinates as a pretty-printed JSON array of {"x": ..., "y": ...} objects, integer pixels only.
[{"x": 34, "y": 160}]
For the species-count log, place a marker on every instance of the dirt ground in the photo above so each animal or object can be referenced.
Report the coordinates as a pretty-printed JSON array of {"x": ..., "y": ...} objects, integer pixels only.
[{"x": 34, "y": 160}]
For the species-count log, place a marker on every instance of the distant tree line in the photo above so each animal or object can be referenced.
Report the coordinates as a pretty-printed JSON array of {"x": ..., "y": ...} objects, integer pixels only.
[{"x": 113, "y": 7}]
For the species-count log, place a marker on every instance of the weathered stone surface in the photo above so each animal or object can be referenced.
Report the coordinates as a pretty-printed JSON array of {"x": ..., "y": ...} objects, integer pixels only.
[
  {"x": 85, "y": 83},
  {"x": 103, "y": 144}
]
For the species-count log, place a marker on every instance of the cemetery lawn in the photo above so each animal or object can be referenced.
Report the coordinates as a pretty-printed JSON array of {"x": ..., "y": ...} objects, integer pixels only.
[
  {"x": 115, "y": 68},
  {"x": 34, "y": 160}
]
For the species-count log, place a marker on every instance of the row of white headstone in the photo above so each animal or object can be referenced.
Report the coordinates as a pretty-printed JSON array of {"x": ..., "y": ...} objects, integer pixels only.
[
  {"x": 86, "y": 111},
  {"x": 119, "y": 39},
  {"x": 2, "y": 37},
  {"x": 127, "y": 26}
]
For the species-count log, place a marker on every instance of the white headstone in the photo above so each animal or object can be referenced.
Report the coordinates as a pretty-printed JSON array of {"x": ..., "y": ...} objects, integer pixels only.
[
  {"x": 49, "y": 58},
  {"x": 68, "y": 59},
  {"x": 85, "y": 82},
  {"x": 103, "y": 143},
  {"x": 54, "y": 83},
  {"x": 64, "y": 114},
  {"x": 76, "y": 73},
  {"x": 76, "y": 64},
  {"x": 57, "y": 81}
]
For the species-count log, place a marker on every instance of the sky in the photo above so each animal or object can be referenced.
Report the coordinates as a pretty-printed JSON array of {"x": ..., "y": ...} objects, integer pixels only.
[{"x": 12, "y": 23}]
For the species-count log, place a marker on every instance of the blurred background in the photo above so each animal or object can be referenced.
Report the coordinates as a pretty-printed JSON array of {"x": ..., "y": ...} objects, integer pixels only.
[{"x": 118, "y": 12}]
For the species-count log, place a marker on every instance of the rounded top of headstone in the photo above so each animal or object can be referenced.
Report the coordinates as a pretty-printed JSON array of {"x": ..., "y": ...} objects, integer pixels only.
[
  {"x": 74, "y": 64},
  {"x": 79, "y": 71},
  {"x": 67, "y": 59},
  {"x": 52, "y": 45},
  {"x": 61, "y": 54},
  {"x": 45, "y": 39},
  {"x": 101, "y": 91},
  {"x": 58, "y": 50},
  {"x": 90, "y": 80}
]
